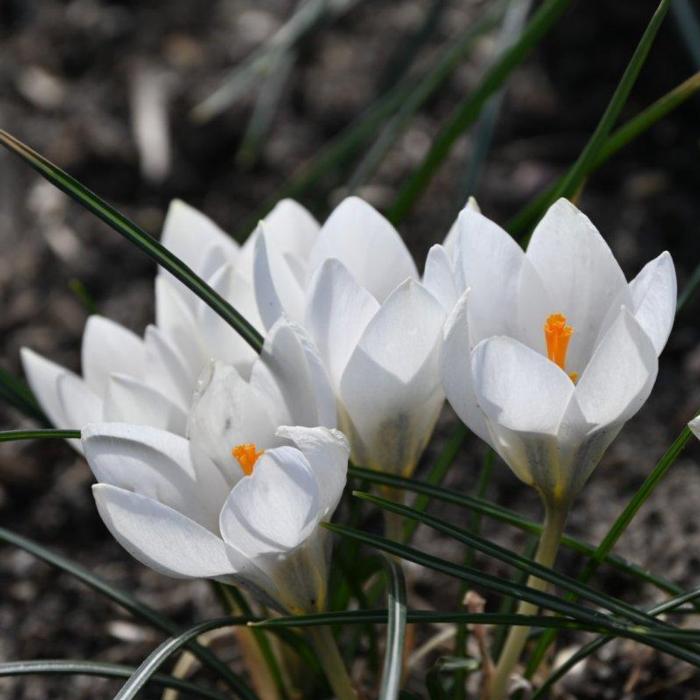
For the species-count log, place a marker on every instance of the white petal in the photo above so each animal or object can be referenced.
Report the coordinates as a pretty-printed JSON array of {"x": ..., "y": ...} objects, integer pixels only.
[
  {"x": 159, "y": 536},
  {"x": 157, "y": 464},
  {"x": 456, "y": 367},
  {"x": 518, "y": 388},
  {"x": 167, "y": 369},
  {"x": 579, "y": 273},
  {"x": 620, "y": 375},
  {"x": 275, "y": 508},
  {"x": 327, "y": 452},
  {"x": 290, "y": 374},
  {"x": 80, "y": 404},
  {"x": 227, "y": 411},
  {"x": 367, "y": 244},
  {"x": 390, "y": 390},
  {"x": 130, "y": 400},
  {"x": 450, "y": 243},
  {"x": 42, "y": 376},
  {"x": 439, "y": 278},
  {"x": 653, "y": 293},
  {"x": 277, "y": 289},
  {"x": 694, "y": 425},
  {"x": 337, "y": 313},
  {"x": 188, "y": 234},
  {"x": 222, "y": 341},
  {"x": 108, "y": 347},
  {"x": 291, "y": 228}
]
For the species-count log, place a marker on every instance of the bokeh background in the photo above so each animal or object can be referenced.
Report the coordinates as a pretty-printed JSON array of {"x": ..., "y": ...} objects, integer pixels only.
[{"x": 106, "y": 89}]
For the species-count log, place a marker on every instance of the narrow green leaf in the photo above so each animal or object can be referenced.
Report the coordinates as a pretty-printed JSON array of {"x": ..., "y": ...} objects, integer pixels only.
[
  {"x": 102, "y": 669},
  {"x": 134, "y": 606},
  {"x": 615, "y": 532},
  {"x": 468, "y": 111},
  {"x": 159, "y": 656},
  {"x": 396, "y": 631},
  {"x": 42, "y": 434},
  {"x": 117, "y": 221}
]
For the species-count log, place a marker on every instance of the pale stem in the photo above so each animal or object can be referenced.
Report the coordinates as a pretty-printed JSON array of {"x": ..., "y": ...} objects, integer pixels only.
[
  {"x": 332, "y": 662},
  {"x": 554, "y": 520}
]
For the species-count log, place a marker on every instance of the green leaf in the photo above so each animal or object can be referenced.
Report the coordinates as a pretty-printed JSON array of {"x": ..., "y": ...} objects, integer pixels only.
[
  {"x": 469, "y": 110},
  {"x": 43, "y": 434},
  {"x": 615, "y": 532},
  {"x": 68, "y": 184},
  {"x": 159, "y": 656},
  {"x": 102, "y": 669},
  {"x": 134, "y": 606},
  {"x": 396, "y": 631}
]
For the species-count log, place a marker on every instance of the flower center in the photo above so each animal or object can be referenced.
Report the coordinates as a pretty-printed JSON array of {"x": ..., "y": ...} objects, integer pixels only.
[
  {"x": 557, "y": 336},
  {"x": 247, "y": 455}
]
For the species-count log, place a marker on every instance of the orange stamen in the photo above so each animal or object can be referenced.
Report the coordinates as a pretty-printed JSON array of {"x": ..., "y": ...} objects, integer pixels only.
[
  {"x": 557, "y": 335},
  {"x": 247, "y": 455}
]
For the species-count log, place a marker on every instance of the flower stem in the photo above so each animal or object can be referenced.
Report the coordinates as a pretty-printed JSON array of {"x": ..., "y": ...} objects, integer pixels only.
[
  {"x": 332, "y": 663},
  {"x": 554, "y": 520}
]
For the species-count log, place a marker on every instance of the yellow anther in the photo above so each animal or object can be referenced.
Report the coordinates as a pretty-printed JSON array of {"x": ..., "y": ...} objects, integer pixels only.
[
  {"x": 247, "y": 455},
  {"x": 557, "y": 336}
]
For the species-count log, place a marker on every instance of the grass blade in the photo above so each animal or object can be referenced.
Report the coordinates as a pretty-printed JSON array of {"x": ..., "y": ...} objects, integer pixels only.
[
  {"x": 468, "y": 112},
  {"x": 159, "y": 656},
  {"x": 45, "y": 433},
  {"x": 104, "y": 670},
  {"x": 128, "y": 602},
  {"x": 133, "y": 233},
  {"x": 396, "y": 631}
]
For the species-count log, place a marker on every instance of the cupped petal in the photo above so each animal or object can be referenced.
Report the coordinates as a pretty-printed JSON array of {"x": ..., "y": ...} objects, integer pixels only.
[
  {"x": 390, "y": 391},
  {"x": 518, "y": 388},
  {"x": 292, "y": 228},
  {"x": 189, "y": 234},
  {"x": 160, "y": 537},
  {"x": 367, "y": 244},
  {"x": 80, "y": 404},
  {"x": 42, "y": 375},
  {"x": 327, "y": 453},
  {"x": 156, "y": 464},
  {"x": 108, "y": 347},
  {"x": 277, "y": 288},
  {"x": 222, "y": 341},
  {"x": 290, "y": 374},
  {"x": 620, "y": 374},
  {"x": 227, "y": 411},
  {"x": 456, "y": 370},
  {"x": 653, "y": 293},
  {"x": 337, "y": 313},
  {"x": 274, "y": 509},
  {"x": 439, "y": 278},
  {"x": 694, "y": 425},
  {"x": 131, "y": 400},
  {"x": 579, "y": 272}
]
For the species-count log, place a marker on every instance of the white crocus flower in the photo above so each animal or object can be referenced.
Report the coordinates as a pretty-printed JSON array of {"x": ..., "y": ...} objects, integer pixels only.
[
  {"x": 151, "y": 380},
  {"x": 549, "y": 352},
  {"x": 176, "y": 511},
  {"x": 377, "y": 328}
]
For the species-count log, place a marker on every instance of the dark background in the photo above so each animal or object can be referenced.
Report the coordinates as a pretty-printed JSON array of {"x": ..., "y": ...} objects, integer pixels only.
[{"x": 68, "y": 72}]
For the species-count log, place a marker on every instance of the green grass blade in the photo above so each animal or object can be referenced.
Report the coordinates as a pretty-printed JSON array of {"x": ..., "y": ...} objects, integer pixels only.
[
  {"x": 509, "y": 517},
  {"x": 437, "y": 473},
  {"x": 46, "y": 433},
  {"x": 615, "y": 532},
  {"x": 468, "y": 112},
  {"x": 576, "y": 175},
  {"x": 16, "y": 393},
  {"x": 159, "y": 656},
  {"x": 396, "y": 631},
  {"x": 508, "y": 557},
  {"x": 102, "y": 669},
  {"x": 689, "y": 27},
  {"x": 134, "y": 234},
  {"x": 128, "y": 602}
]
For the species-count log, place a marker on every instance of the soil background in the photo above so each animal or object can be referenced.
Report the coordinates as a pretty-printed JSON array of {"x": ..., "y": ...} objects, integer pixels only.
[{"x": 69, "y": 73}]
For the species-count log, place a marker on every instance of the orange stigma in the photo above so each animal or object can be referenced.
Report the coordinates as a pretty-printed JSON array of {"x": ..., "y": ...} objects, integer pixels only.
[
  {"x": 557, "y": 335},
  {"x": 247, "y": 455}
]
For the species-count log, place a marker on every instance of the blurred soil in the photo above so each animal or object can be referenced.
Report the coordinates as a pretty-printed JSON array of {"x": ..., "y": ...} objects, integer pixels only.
[{"x": 69, "y": 73}]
